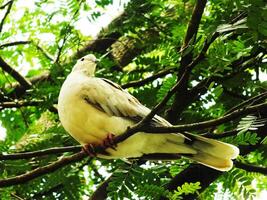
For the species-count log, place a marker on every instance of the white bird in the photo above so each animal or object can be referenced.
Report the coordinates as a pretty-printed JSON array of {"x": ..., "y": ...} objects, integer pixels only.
[{"x": 91, "y": 109}]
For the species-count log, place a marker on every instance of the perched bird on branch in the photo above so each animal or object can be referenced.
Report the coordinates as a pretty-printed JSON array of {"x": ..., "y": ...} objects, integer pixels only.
[{"x": 94, "y": 110}]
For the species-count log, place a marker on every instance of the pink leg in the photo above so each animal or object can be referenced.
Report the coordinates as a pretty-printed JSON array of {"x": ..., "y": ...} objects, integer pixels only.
[
  {"x": 90, "y": 150},
  {"x": 108, "y": 142}
]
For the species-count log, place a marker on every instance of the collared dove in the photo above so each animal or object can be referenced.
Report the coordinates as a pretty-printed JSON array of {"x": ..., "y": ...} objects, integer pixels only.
[{"x": 92, "y": 108}]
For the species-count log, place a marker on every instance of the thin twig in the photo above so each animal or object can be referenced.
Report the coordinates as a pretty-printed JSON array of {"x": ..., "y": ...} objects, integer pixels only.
[
  {"x": 16, "y": 196},
  {"x": 14, "y": 44},
  {"x": 148, "y": 79},
  {"x": 221, "y": 135},
  {"x": 252, "y": 100},
  {"x": 9, "y": 4},
  {"x": 43, "y": 170},
  {"x": 206, "y": 124},
  {"x": 19, "y": 104},
  {"x": 60, "y": 48},
  {"x": 16, "y": 75},
  {"x": 43, "y": 152},
  {"x": 46, "y": 54},
  {"x": 6, "y": 4}
]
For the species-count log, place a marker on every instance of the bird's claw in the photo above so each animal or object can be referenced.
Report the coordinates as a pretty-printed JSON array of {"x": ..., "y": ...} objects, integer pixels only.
[
  {"x": 90, "y": 150},
  {"x": 108, "y": 142}
]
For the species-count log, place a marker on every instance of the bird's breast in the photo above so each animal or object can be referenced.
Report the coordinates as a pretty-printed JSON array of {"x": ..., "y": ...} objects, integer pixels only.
[{"x": 84, "y": 121}]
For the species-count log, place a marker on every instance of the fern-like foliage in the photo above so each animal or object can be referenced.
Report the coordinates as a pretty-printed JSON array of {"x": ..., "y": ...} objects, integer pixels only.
[
  {"x": 245, "y": 136},
  {"x": 167, "y": 84},
  {"x": 135, "y": 181},
  {"x": 241, "y": 184},
  {"x": 185, "y": 189},
  {"x": 250, "y": 122}
]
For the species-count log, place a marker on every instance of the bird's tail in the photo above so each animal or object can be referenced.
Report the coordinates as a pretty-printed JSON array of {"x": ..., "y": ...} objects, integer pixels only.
[{"x": 212, "y": 153}]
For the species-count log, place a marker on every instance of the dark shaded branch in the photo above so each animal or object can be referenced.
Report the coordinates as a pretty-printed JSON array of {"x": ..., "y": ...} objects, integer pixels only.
[
  {"x": 16, "y": 196},
  {"x": 141, "y": 125},
  {"x": 148, "y": 79},
  {"x": 42, "y": 170},
  {"x": 251, "y": 168},
  {"x": 60, "y": 48},
  {"x": 194, "y": 21},
  {"x": 101, "y": 191},
  {"x": 186, "y": 59},
  {"x": 221, "y": 135},
  {"x": 18, "y": 90},
  {"x": 14, "y": 44},
  {"x": 6, "y": 4},
  {"x": 184, "y": 97},
  {"x": 207, "y": 124},
  {"x": 16, "y": 75},
  {"x": 9, "y": 4},
  {"x": 250, "y": 101},
  {"x": 199, "y": 172},
  {"x": 43, "y": 152}
]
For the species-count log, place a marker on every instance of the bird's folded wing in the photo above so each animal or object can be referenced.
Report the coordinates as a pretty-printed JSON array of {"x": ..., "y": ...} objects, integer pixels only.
[{"x": 114, "y": 101}]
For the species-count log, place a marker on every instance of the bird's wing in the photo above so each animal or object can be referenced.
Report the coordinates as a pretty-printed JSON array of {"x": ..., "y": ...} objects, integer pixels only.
[{"x": 110, "y": 98}]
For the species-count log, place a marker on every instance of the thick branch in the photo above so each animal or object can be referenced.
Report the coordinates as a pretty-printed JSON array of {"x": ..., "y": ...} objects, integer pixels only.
[
  {"x": 42, "y": 170},
  {"x": 44, "y": 152},
  {"x": 195, "y": 21},
  {"x": 16, "y": 75},
  {"x": 101, "y": 191}
]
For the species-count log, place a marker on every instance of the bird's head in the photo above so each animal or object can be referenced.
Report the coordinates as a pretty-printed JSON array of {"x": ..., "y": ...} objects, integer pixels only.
[{"x": 86, "y": 64}]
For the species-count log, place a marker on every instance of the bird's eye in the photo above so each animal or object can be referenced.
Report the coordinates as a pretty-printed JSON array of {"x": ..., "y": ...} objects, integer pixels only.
[{"x": 82, "y": 59}]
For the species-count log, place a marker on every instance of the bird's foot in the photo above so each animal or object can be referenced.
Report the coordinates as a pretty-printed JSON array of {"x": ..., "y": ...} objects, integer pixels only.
[
  {"x": 108, "y": 142},
  {"x": 90, "y": 150}
]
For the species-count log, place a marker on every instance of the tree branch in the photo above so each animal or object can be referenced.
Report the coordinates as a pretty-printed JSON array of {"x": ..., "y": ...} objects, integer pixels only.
[
  {"x": 16, "y": 75},
  {"x": 18, "y": 90},
  {"x": 101, "y": 192},
  {"x": 9, "y": 4},
  {"x": 250, "y": 101},
  {"x": 43, "y": 170},
  {"x": 194, "y": 21},
  {"x": 14, "y": 44},
  {"x": 44, "y": 53},
  {"x": 250, "y": 168},
  {"x": 221, "y": 135},
  {"x": 18, "y": 104},
  {"x": 207, "y": 124},
  {"x": 184, "y": 97},
  {"x": 148, "y": 79},
  {"x": 6, "y": 4},
  {"x": 43, "y": 152}
]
